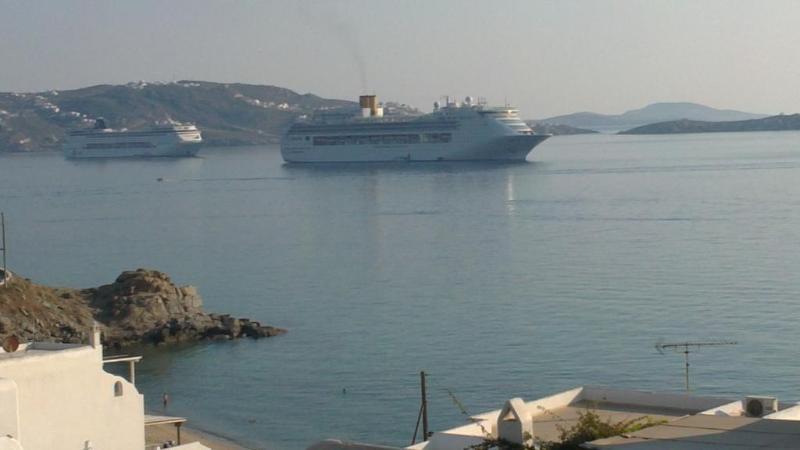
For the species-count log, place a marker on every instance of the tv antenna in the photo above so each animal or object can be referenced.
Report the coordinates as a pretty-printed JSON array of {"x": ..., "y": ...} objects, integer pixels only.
[{"x": 686, "y": 348}]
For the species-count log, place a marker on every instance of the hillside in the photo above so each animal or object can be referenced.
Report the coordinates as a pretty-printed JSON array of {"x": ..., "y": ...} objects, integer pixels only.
[
  {"x": 656, "y": 112},
  {"x": 773, "y": 123},
  {"x": 228, "y": 114}
]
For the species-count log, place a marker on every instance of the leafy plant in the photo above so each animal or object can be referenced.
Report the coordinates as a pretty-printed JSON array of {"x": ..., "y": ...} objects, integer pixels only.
[{"x": 590, "y": 426}]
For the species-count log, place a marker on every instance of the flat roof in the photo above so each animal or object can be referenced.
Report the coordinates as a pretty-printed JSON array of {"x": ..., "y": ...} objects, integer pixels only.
[
  {"x": 709, "y": 432},
  {"x": 546, "y": 421},
  {"x": 337, "y": 444},
  {"x": 563, "y": 410},
  {"x": 546, "y": 425},
  {"x": 151, "y": 420},
  {"x": 121, "y": 358},
  {"x": 30, "y": 349}
]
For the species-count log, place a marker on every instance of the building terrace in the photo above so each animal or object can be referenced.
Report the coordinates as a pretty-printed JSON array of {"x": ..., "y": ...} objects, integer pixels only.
[{"x": 542, "y": 419}]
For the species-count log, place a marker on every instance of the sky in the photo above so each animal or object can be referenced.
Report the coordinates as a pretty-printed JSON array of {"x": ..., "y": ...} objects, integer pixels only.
[{"x": 546, "y": 57}]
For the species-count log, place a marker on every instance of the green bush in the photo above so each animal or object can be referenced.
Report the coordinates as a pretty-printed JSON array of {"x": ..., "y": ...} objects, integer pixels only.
[{"x": 591, "y": 427}]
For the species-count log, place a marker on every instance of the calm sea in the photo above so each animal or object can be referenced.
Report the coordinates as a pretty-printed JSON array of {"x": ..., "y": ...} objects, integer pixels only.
[{"x": 499, "y": 280}]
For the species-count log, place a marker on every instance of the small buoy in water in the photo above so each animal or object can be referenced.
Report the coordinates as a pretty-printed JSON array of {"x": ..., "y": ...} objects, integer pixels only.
[
  {"x": 159, "y": 179},
  {"x": 344, "y": 390}
]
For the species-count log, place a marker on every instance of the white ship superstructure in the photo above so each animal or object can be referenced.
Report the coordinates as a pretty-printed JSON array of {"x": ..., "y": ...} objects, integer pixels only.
[
  {"x": 101, "y": 142},
  {"x": 468, "y": 131}
]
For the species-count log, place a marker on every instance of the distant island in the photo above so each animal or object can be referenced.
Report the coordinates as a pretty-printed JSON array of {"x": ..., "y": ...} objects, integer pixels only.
[
  {"x": 653, "y": 113},
  {"x": 772, "y": 123},
  {"x": 227, "y": 113},
  {"x": 556, "y": 129}
]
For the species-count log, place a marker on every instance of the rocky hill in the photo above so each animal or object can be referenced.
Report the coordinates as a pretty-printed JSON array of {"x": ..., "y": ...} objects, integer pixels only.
[
  {"x": 656, "y": 112},
  {"x": 773, "y": 123},
  {"x": 141, "y": 306},
  {"x": 228, "y": 114}
]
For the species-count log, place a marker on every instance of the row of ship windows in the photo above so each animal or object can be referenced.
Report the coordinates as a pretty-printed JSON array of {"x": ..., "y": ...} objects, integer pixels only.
[
  {"x": 120, "y": 145},
  {"x": 512, "y": 121},
  {"x": 129, "y": 134},
  {"x": 378, "y": 139}
]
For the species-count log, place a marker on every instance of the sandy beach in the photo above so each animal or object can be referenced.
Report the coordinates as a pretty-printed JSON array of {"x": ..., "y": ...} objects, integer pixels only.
[{"x": 156, "y": 435}]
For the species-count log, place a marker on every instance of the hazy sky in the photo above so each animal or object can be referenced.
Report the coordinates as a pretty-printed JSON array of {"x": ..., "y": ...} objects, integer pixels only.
[{"x": 547, "y": 57}]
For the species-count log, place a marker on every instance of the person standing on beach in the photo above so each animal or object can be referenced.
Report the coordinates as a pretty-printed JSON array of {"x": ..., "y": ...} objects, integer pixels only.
[{"x": 165, "y": 400}]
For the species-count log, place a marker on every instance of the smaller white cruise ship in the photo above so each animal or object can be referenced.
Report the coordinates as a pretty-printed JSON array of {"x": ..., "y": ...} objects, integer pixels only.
[{"x": 173, "y": 140}]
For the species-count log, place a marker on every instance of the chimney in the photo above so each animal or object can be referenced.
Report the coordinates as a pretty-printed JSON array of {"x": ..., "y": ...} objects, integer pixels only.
[
  {"x": 369, "y": 105},
  {"x": 95, "y": 338},
  {"x": 515, "y": 422}
]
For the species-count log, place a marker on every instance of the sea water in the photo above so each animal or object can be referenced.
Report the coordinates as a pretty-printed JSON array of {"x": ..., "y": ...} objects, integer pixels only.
[{"x": 497, "y": 280}]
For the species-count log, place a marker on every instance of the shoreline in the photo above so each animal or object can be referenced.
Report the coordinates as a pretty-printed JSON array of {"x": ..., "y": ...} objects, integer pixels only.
[{"x": 158, "y": 434}]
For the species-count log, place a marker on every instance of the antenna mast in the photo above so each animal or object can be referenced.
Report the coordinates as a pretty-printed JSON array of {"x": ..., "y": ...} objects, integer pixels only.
[
  {"x": 3, "y": 247},
  {"x": 685, "y": 348},
  {"x": 423, "y": 411}
]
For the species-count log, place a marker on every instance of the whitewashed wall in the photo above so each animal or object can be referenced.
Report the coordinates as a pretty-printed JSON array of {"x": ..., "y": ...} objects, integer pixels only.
[{"x": 65, "y": 399}]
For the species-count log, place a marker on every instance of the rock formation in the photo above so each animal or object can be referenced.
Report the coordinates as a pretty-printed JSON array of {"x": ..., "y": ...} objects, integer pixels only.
[{"x": 141, "y": 306}]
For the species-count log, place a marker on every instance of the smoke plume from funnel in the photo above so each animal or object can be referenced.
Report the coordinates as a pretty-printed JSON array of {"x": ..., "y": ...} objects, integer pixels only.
[{"x": 346, "y": 34}]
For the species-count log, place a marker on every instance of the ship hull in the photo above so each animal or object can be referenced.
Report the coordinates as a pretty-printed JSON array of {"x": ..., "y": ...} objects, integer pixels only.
[
  {"x": 165, "y": 150},
  {"x": 502, "y": 149}
]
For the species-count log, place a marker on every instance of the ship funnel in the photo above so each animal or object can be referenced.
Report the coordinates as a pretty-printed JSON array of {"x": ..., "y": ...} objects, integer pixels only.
[{"x": 369, "y": 105}]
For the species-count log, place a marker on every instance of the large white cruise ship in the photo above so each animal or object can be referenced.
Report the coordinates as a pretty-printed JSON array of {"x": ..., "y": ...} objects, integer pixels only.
[
  {"x": 101, "y": 142},
  {"x": 468, "y": 131}
]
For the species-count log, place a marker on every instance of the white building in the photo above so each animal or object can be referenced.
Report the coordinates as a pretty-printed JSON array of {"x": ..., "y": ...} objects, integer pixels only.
[
  {"x": 686, "y": 422},
  {"x": 58, "y": 397},
  {"x": 541, "y": 418},
  {"x": 752, "y": 423}
]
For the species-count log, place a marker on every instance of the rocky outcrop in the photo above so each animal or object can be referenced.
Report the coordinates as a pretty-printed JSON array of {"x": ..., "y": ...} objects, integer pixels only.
[{"x": 141, "y": 306}]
